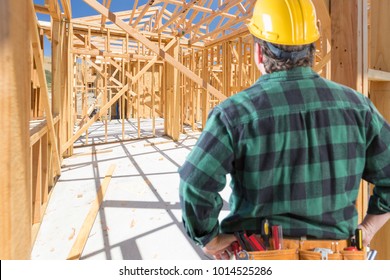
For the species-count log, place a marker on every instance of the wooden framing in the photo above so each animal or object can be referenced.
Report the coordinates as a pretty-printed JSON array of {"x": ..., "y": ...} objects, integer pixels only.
[
  {"x": 379, "y": 87},
  {"x": 166, "y": 59},
  {"x": 345, "y": 26},
  {"x": 360, "y": 60},
  {"x": 32, "y": 157},
  {"x": 172, "y": 96},
  {"x": 349, "y": 61},
  {"x": 15, "y": 76},
  {"x": 52, "y": 123}
]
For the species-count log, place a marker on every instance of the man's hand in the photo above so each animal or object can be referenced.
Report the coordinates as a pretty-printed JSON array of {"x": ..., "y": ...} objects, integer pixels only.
[
  {"x": 220, "y": 246},
  {"x": 371, "y": 224}
]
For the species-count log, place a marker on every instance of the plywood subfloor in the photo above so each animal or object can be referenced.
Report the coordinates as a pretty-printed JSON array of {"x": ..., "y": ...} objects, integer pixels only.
[{"x": 140, "y": 217}]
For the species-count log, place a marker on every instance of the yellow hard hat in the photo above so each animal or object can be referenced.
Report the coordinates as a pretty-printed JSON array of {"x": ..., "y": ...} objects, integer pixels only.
[{"x": 285, "y": 22}]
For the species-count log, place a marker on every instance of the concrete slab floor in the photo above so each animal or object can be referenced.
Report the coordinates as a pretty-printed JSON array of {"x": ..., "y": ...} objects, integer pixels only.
[{"x": 140, "y": 217}]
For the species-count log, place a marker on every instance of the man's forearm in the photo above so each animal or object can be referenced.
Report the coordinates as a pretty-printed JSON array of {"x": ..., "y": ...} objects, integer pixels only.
[{"x": 371, "y": 225}]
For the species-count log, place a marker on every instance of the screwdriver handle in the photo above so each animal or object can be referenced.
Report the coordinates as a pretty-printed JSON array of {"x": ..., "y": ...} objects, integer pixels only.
[{"x": 359, "y": 239}]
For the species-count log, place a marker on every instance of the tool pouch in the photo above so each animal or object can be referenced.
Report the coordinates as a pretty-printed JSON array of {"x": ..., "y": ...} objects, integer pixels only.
[
  {"x": 311, "y": 255},
  {"x": 285, "y": 254},
  {"x": 354, "y": 255},
  {"x": 343, "y": 255}
]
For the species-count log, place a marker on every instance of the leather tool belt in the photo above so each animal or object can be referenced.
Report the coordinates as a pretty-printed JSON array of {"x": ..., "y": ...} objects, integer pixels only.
[{"x": 302, "y": 249}]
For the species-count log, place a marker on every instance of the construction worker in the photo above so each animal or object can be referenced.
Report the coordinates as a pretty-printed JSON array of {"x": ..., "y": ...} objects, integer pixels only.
[{"x": 295, "y": 144}]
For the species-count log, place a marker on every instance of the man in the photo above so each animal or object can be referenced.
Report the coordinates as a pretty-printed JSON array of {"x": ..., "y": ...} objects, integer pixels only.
[{"x": 296, "y": 146}]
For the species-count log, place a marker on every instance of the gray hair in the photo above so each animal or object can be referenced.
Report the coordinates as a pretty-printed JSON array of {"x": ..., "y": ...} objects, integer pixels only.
[{"x": 291, "y": 56}]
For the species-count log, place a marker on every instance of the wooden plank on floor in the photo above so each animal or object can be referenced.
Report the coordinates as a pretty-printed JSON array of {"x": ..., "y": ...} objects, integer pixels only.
[{"x": 82, "y": 237}]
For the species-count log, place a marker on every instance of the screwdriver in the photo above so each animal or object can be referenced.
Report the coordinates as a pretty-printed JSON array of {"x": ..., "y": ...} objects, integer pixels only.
[
  {"x": 277, "y": 235},
  {"x": 265, "y": 232},
  {"x": 359, "y": 239}
]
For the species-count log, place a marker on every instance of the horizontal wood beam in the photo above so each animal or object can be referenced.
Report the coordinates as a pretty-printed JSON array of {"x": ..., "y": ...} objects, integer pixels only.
[
  {"x": 41, "y": 9},
  {"x": 122, "y": 14},
  {"x": 39, "y": 130},
  {"x": 97, "y": 54},
  {"x": 82, "y": 28},
  {"x": 242, "y": 32},
  {"x": 378, "y": 75}
]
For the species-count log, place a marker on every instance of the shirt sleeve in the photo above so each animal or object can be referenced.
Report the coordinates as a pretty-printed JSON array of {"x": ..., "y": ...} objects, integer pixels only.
[
  {"x": 377, "y": 168},
  {"x": 203, "y": 176}
]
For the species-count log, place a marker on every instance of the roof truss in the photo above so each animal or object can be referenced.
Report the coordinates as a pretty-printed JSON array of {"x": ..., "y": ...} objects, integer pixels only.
[{"x": 194, "y": 20}]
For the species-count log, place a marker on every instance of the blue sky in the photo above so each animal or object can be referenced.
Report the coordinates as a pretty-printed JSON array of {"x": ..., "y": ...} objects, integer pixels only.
[{"x": 81, "y": 9}]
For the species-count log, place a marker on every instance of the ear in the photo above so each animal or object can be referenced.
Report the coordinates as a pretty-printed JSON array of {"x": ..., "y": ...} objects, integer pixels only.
[
  {"x": 258, "y": 54},
  {"x": 259, "y": 57}
]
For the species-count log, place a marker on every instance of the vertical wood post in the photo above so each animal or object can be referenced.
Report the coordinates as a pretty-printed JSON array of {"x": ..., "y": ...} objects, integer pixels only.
[
  {"x": 380, "y": 93},
  {"x": 56, "y": 90},
  {"x": 345, "y": 41},
  {"x": 348, "y": 60},
  {"x": 68, "y": 87},
  {"x": 15, "y": 173},
  {"x": 205, "y": 95},
  {"x": 172, "y": 85}
]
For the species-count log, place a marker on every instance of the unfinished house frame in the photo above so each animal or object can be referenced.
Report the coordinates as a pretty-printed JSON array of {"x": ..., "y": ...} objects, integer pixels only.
[{"x": 167, "y": 60}]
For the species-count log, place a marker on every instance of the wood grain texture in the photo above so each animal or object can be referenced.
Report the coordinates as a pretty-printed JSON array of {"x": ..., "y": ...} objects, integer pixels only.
[
  {"x": 344, "y": 42},
  {"x": 15, "y": 173}
]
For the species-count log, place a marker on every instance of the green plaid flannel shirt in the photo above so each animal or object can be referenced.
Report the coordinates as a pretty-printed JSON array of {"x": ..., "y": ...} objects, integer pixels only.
[{"x": 296, "y": 146}]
